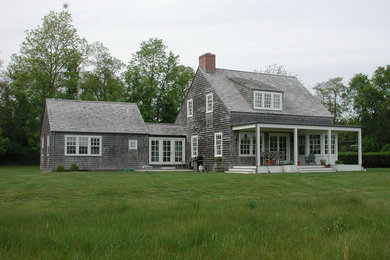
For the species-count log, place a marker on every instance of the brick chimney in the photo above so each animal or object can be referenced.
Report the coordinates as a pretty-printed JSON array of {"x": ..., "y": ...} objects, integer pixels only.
[{"x": 207, "y": 61}]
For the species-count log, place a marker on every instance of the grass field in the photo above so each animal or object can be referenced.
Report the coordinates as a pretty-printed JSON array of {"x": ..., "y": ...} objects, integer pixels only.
[{"x": 129, "y": 215}]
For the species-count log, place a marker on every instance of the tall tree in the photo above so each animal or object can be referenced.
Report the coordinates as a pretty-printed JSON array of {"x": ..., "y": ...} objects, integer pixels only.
[
  {"x": 103, "y": 82},
  {"x": 333, "y": 95},
  {"x": 48, "y": 65},
  {"x": 157, "y": 82}
]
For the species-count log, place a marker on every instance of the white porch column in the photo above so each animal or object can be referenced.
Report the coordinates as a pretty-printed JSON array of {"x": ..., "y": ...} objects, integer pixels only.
[
  {"x": 295, "y": 146},
  {"x": 258, "y": 162},
  {"x": 360, "y": 154},
  {"x": 329, "y": 144}
]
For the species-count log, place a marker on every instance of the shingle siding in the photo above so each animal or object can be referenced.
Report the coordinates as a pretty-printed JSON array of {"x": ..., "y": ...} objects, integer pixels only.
[
  {"x": 240, "y": 118},
  {"x": 204, "y": 125},
  {"x": 115, "y": 152}
]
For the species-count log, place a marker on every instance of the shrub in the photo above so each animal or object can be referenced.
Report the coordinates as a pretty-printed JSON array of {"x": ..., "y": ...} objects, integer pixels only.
[
  {"x": 385, "y": 148},
  {"x": 74, "y": 167},
  {"x": 339, "y": 162},
  {"x": 60, "y": 168},
  {"x": 370, "y": 160}
]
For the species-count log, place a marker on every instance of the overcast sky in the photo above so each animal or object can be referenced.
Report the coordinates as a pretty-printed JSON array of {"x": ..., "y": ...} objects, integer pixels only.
[{"x": 316, "y": 40}]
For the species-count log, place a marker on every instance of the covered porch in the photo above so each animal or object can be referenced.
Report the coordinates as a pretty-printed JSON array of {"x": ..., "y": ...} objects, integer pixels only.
[{"x": 264, "y": 147}]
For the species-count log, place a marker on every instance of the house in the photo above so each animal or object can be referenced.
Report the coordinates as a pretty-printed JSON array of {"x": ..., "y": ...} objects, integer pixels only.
[{"x": 242, "y": 121}]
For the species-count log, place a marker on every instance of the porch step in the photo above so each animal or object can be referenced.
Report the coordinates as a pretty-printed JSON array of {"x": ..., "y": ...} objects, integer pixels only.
[
  {"x": 314, "y": 169},
  {"x": 242, "y": 169}
]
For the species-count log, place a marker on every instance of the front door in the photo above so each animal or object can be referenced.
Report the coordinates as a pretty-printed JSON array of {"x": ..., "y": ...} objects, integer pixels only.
[{"x": 280, "y": 143}]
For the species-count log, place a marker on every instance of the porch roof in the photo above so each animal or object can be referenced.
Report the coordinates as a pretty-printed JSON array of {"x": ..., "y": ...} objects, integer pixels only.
[{"x": 340, "y": 128}]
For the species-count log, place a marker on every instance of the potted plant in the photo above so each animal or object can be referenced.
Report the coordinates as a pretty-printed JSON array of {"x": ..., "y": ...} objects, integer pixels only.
[
  {"x": 327, "y": 165},
  {"x": 323, "y": 162}
]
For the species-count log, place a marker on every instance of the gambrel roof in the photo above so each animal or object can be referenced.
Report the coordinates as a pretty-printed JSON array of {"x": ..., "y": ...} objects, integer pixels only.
[
  {"x": 94, "y": 117},
  {"x": 235, "y": 89}
]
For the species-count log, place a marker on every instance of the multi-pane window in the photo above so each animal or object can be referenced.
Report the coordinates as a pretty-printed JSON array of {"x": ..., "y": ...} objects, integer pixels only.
[
  {"x": 70, "y": 145},
  {"x": 218, "y": 144},
  {"x": 42, "y": 146},
  {"x": 95, "y": 145},
  {"x": 209, "y": 103},
  {"x": 83, "y": 145},
  {"x": 190, "y": 108},
  {"x": 333, "y": 146},
  {"x": 247, "y": 144},
  {"x": 133, "y": 144},
  {"x": 178, "y": 151},
  {"x": 315, "y": 144},
  {"x": 154, "y": 148},
  {"x": 194, "y": 146},
  {"x": 166, "y": 151},
  {"x": 267, "y": 100}
]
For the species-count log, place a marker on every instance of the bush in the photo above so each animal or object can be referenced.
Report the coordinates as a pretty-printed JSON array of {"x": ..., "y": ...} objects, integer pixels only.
[
  {"x": 60, "y": 168},
  {"x": 74, "y": 167},
  {"x": 370, "y": 160},
  {"x": 339, "y": 162},
  {"x": 385, "y": 148}
]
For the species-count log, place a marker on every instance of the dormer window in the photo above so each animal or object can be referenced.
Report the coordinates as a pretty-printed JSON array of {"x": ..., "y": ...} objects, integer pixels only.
[{"x": 267, "y": 100}]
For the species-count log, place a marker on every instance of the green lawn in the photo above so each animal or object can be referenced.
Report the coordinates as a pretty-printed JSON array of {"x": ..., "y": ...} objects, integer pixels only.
[{"x": 130, "y": 215}]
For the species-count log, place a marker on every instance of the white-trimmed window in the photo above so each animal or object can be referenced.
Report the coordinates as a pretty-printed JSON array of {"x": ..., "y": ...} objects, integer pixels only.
[
  {"x": 166, "y": 150},
  {"x": 333, "y": 146},
  {"x": 217, "y": 144},
  {"x": 194, "y": 146},
  {"x": 247, "y": 143},
  {"x": 209, "y": 103},
  {"x": 315, "y": 144},
  {"x": 190, "y": 107},
  {"x": 267, "y": 100},
  {"x": 133, "y": 144},
  {"x": 48, "y": 145},
  {"x": 83, "y": 145}
]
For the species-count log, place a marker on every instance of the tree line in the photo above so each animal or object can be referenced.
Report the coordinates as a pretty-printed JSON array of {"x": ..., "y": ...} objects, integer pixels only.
[
  {"x": 55, "y": 62},
  {"x": 365, "y": 101}
]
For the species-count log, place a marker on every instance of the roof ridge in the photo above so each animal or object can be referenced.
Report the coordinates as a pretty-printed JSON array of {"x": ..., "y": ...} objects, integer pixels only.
[
  {"x": 90, "y": 101},
  {"x": 255, "y": 72}
]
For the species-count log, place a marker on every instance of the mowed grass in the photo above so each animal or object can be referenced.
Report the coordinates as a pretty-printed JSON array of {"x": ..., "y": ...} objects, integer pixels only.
[{"x": 130, "y": 215}]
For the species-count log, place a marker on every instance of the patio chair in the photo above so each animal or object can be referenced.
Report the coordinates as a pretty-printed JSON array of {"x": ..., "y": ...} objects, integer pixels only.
[{"x": 310, "y": 159}]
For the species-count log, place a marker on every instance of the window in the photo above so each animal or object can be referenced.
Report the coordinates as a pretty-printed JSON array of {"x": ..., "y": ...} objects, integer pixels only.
[
  {"x": 178, "y": 151},
  {"x": 48, "y": 145},
  {"x": 83, "y": 145},
  {"x": 209, "y": 103},
  {"x": 247, "y": 144},
  {"x": 166, "y": 150},
  {"x": 333, "y": 141},
  {"x": 315, "y": 144},
  {"x": 218, "y": 144},
  {"x": 190, "y": 109},
  {"x": 194, "y": 146},
  {"x": 267, "y": 100},
  {"x": 133, "y": 144},
  {"x": 154, "y": 148}
]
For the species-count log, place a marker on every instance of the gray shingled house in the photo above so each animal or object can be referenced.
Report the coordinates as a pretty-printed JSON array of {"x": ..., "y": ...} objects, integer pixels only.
[{"x": 242, "y": 121}]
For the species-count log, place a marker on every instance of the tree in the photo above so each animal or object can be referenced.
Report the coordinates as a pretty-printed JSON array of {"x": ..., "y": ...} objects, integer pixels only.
[
  {"x": 371, "y": 102},
  {"x": 103, "y": 82},
  {"x": 277, "y": 70},
  {"x": 48, "y": 65},
  {"x": 156, "y": 82},
  {"x": 333, "y": 95}
]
